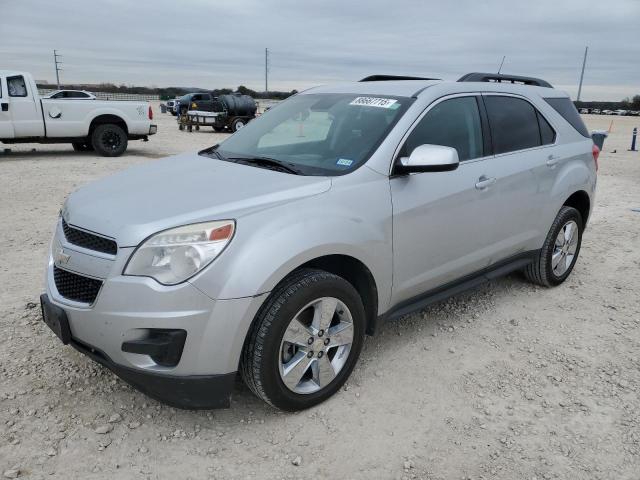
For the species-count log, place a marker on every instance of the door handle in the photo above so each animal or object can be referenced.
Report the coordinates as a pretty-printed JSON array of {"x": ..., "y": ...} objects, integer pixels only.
[
  {"x": 552, "y": 161},
  {"x": 485, "y": 182},
  {"x": 5, "y": 107}
]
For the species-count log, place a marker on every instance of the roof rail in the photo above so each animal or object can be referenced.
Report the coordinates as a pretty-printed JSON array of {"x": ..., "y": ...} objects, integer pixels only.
[
  {"x": 501, "y": 78},
  {"x": 384, "y": 78}
]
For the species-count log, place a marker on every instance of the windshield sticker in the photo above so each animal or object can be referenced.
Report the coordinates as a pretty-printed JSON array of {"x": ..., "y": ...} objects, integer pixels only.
[
  {"x": 375, "y": 102},
  {"x": 344, "y": 162}
]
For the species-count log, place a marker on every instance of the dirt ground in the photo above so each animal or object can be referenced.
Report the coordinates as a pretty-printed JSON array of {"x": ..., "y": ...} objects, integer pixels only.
[{"x": 509, "y": 381}]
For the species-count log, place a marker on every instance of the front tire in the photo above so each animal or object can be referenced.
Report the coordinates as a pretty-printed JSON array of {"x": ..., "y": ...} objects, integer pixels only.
[
  {"x": 559, "y": 253},
  {"x": 305, "y": 342},
  {"x": 109, "y": 140}
]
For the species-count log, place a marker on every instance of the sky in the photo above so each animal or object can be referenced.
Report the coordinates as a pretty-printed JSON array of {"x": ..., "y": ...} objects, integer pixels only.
[{"x": 220, "y": 43}]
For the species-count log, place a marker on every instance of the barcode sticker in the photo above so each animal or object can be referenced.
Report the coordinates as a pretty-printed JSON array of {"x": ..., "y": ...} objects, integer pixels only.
[{"x": 374, "y": 102}]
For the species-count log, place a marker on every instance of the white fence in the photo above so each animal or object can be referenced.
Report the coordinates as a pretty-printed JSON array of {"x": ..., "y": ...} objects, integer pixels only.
[{"x": 111, "y": 96}]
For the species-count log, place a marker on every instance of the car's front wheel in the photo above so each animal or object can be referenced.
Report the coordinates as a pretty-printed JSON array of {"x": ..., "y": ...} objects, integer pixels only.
[
  {"x": 559, "y": 253},
  {"x": 305, "y": 341}
]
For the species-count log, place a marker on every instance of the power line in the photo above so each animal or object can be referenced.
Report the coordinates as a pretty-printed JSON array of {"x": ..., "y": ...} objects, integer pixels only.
[{"x": 57, "y": 66}]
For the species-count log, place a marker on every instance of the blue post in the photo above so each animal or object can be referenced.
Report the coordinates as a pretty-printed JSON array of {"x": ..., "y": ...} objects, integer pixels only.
[{"x": 633, "y": 140}]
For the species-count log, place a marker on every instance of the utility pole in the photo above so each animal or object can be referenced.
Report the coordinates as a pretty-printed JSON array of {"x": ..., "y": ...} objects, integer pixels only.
[
  {"x": 584, "y": 62},
  {"x": 57, "y": 65},
  {"x": 266, "y": 70}
]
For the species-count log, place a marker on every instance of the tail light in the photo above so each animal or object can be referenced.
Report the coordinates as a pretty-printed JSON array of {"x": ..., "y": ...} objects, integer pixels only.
[
  {"x": 150, "y": 113},
  {"x": 596, "y": 153}
]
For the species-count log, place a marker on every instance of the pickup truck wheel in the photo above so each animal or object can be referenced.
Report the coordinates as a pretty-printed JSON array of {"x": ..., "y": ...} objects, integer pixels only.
[
  {"x": 305, "y": 340},
  {"x": 82, "y": 146},
  {"x": 237, "y": 124},
  {"x": 560, "y": 250},
  {"x": 109, "y": 140}
]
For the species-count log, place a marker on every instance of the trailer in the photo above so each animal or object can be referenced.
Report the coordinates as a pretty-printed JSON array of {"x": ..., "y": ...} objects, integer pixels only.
[{"x": 230, "y": 112}]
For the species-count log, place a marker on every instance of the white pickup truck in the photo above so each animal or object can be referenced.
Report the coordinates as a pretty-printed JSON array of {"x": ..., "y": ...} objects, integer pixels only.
[{"x": 103, "y": 126}]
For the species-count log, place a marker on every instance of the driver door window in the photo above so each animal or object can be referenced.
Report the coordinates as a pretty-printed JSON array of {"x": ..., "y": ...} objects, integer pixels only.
[{"x": 451, "y": 123}]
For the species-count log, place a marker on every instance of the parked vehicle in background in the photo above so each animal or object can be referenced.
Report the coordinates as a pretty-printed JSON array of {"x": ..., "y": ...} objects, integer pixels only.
[
  {"x": 71, "y": 94},
  {"x": 356, "y": 203},
  {"x": 171, "y": 106},
  {"x": 103, "y": 126},
  {"x": 620, "y": 112},
  {"x": 596, "y": 111},
  {"x": 607, "y": 112},
  {"x": 231, "y": 111},
  {"x": 584, "y": 110}
]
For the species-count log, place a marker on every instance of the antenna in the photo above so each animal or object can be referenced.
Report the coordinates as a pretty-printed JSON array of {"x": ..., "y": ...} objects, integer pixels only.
[
  {"x": 57, "y": 66},
  {"x": 584, "y": 62},
  {"x": 501, "y": 63}
]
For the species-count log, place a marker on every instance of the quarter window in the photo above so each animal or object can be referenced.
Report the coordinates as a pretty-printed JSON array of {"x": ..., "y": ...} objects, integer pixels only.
[
  {"x": 16, "y": 86},
  {"x": 452, "y": 123},
  {"x": 547, "y": 133}
]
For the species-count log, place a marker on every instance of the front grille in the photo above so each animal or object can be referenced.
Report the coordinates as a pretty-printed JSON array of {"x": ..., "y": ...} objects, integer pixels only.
[
  {"x": 89, "y": 240},
  {"x": 76, "y": 287}
]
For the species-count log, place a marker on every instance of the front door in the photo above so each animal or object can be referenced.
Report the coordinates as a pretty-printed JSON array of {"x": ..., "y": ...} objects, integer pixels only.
[
  {"x": 6, "y": 127},
  {"x": 23, "y": 107},
  {"x": 440, "y": 220}
]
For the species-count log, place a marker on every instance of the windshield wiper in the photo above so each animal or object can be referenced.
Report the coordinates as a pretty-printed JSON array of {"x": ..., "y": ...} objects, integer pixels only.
[{"x": 266, "y": 162}]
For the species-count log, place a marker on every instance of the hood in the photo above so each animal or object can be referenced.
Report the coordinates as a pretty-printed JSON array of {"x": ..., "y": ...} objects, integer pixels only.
[{"x": 142, "y": 200}]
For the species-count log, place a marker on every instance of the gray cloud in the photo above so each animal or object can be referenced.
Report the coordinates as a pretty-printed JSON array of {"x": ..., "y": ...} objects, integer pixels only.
[{"x": 221, "y": 43}]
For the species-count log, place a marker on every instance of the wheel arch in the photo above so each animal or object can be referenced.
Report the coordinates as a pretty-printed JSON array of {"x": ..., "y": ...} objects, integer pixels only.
[
  {"x": 108, "y": 118},
  {"x": 580, "y": 201}
]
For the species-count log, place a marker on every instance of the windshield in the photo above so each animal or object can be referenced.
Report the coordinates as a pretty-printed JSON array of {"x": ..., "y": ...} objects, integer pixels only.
[{"x": 316, "y": 134}]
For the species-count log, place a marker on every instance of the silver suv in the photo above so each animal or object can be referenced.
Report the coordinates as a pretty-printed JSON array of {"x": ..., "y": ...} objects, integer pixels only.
[{"x": 273, "y": 253}]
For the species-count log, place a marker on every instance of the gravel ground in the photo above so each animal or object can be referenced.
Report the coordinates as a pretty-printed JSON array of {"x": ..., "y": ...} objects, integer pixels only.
[{"x": 509, "y": 381}]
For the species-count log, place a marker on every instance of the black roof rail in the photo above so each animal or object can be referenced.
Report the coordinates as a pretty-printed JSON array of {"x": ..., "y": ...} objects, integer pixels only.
[
  {"x": 384, "y": 78},
  {"x": 502, "y": 78}
]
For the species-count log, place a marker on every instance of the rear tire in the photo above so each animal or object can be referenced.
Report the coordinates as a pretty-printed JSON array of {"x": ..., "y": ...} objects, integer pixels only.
[
  {"x": 82, "y": 146},
  {"x": 293, "y": 340},
  {"x": 559, "y": 253},
  {"x": 109, "y": 140}
]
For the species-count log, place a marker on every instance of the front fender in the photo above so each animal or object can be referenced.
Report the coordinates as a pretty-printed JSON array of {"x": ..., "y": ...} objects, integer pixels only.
[{"x": 352, "y": 220}]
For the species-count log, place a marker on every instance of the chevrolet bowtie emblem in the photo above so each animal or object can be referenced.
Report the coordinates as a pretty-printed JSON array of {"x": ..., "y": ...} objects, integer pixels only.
[{"x": 61, "y": 257}]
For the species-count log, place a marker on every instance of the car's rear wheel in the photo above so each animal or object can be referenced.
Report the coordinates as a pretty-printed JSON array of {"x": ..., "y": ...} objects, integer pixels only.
[
  {"x": 559, "y": 253},
  {"x": 109, "y": 140},
  {"x": 82, "y": 146},
  {"x": 305, "y": 341}
]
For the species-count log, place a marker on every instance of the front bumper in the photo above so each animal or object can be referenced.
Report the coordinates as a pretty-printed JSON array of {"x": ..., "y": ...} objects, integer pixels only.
[{"x": 128, "y": 309}]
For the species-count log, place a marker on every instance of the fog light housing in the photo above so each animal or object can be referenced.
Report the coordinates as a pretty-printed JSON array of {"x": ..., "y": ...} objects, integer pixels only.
[{"x": 164, "y": 346}]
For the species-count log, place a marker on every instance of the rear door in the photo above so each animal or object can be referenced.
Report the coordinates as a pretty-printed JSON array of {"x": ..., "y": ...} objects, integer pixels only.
[
  {"x": 23, "y": 107},
  {"x": 6, "y": 126},
  {"x": 522, "y": 141}
]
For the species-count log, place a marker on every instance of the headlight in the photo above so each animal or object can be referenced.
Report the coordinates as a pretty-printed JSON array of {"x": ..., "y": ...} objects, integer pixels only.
[{"x": 175, "y": 255}]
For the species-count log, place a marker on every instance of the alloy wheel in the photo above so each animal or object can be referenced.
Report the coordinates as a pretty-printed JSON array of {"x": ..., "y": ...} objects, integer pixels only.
[
  {"x": 564, "y": 249},
  {"x": 316, "y": 345}
]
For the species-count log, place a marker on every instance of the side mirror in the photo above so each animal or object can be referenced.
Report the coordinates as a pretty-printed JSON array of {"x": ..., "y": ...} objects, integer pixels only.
[{"x": 429, "y": 158}]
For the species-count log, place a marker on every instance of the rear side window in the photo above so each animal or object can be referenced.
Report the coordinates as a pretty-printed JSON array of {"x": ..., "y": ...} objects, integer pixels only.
[
  {"x": 547, "y": 133},
  {"x": 565, "y": 107},
  {"x": 514, "y": 124},
  {"x": 451, "y": 123},
  {"x": 16, "y": 86}
]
